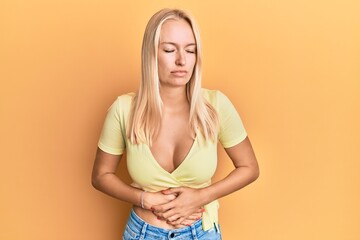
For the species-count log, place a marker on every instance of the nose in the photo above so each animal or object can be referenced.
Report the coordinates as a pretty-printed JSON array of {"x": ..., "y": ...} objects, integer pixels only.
[{"x": 180, "y": 59}]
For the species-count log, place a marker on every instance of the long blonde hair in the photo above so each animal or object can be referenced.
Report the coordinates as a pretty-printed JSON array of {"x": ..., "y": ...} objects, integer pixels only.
[{"x": 145, "y": 116}]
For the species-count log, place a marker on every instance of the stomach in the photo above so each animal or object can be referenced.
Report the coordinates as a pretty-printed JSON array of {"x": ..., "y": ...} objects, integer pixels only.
[{"x": 151, "y": 219}]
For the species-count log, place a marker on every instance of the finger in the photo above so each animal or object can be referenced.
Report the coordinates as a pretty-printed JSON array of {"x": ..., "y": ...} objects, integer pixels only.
[
  {"x": 170, "y": 197},
  {"x": 176, "y": 222},
  {"x": 166, "y": 216},
  {"x": 188, "y": 222},
  {"x": 158, "y": 216},
  {"x": 175, "y": 191},
  {"x": 172, "y": 217},
  {"x": 195, "y": 216},
  {"x": 162, "y": 207},
  {"x": 200, "y": 210}
]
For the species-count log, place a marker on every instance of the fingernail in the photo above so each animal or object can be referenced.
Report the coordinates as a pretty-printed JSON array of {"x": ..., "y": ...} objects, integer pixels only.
[
  {"x": 202, "y": 210},
  {"x": 152, "y": 208},
  {"x": 158, "y": 218},
  {"x": 198, "y": 218}
]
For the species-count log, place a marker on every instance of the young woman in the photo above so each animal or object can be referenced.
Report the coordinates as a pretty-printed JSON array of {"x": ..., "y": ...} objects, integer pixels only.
[{"x": 169, "y": 129}]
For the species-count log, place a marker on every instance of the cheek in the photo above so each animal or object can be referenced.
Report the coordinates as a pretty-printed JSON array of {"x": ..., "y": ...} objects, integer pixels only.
[
  {"x": 160, "y": 62},
  {"x": 163, "y": 62},
  {"x": 192, "y": 62},
  {"x": 162, "y": 67}
]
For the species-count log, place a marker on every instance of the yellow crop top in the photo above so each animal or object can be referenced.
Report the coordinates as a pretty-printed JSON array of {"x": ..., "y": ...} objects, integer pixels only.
[{"x": 197, "y": 168}]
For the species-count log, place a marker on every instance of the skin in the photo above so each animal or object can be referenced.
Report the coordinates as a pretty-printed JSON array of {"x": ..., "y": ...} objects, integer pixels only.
[{"x": 176, "y": 207}]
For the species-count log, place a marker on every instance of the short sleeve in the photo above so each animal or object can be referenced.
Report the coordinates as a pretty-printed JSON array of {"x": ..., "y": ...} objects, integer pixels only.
[
  {"x": 232, "y": 130},
  {"x": 112, "y": 139}
]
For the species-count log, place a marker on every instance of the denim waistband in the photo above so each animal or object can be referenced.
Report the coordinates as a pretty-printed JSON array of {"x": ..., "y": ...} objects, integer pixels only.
[{"x": 138, "y": 225}]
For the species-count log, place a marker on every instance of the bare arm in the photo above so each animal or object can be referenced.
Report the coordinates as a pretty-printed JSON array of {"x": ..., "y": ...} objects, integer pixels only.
[
  {"x": 188, "y": 199},
  {"x": 105, "y": 180},
  {"x": 246, "y": 171}
]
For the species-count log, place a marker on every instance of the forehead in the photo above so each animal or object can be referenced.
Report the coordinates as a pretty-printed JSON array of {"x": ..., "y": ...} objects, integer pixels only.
[{"x": 176, "y": 31}]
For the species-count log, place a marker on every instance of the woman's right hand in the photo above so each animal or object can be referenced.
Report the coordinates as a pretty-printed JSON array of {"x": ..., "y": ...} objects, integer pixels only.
[
  {"x": 156, "y": 198},
  {"x": 190, "y": 219}
]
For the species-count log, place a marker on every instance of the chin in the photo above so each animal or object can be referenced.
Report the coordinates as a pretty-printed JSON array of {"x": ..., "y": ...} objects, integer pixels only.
[{"x": 176, "y": 82}]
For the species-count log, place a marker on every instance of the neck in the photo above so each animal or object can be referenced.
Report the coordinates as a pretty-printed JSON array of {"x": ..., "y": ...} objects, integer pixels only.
[{"x": 174, "y": 99}]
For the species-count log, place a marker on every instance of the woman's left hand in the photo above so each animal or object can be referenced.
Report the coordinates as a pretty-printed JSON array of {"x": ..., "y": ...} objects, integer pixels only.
[{"x": 188, "y": 201}]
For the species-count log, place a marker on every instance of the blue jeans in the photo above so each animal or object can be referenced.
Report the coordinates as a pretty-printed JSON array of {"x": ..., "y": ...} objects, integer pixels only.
[{"x": 136, "y": 228}]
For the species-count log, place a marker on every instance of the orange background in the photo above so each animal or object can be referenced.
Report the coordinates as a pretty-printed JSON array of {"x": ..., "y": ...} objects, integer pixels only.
[{"x": 292, "y": 69}]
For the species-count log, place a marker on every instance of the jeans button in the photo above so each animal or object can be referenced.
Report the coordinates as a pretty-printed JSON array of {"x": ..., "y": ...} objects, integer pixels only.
[{"x": 172, "y": 235}]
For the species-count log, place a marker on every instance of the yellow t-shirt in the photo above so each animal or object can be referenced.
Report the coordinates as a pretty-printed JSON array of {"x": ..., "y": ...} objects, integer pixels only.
[{"x": 198, "y": 167}]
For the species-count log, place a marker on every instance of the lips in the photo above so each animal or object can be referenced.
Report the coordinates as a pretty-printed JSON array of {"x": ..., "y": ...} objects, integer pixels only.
[{"x": 179, "y": 73}]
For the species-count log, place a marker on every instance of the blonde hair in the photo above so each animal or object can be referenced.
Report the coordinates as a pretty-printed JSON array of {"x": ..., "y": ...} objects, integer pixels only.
[{"x": 145, "y": 116}]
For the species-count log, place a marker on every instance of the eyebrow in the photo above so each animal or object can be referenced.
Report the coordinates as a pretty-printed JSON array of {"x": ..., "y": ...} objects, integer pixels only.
[{"x": 175, "y": 44}]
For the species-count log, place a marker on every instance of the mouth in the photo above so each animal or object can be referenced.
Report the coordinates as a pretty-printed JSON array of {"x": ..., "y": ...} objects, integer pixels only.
[{"x": 179, "y": 73}]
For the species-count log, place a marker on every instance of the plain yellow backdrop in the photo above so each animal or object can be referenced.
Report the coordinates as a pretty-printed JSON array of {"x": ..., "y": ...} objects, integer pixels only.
[{"x": 291, "y": 68}]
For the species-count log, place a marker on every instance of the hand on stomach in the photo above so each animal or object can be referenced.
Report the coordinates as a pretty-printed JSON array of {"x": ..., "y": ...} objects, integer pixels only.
[{"x": 160, "y": 210}]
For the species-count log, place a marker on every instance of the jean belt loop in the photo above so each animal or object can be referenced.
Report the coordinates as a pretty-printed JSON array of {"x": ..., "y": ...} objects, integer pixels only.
[
  {"x": 143, "y": 231},
  {"x": 193, "y": 232}
]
